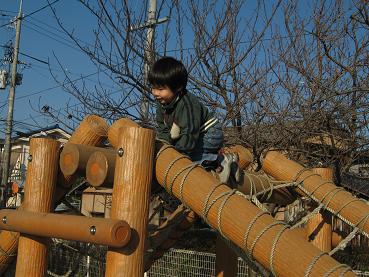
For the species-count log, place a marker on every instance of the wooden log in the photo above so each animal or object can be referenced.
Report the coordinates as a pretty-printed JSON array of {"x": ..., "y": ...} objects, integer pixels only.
[
  {"x": 113, "y": 132},
  {"x": 92, "y": 131},
  {"x": 226, "y": 260},
  {"x": 254, "y": 183},
  {"x": 109, "y": 232},
  {"x": 100, "y": 168},
  {"x": 131, "y": 197},
  {"x": 352, "y": 209},
  {"x": 38, "y": 195},
  {"x": 74, "y": 157},
  {"x": 283, "y": 251},
  {"x": 319, "y": 227}
]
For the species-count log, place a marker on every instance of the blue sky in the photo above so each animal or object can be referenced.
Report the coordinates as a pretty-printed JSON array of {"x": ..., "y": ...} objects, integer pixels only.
[{"x": 41, "y": 38}]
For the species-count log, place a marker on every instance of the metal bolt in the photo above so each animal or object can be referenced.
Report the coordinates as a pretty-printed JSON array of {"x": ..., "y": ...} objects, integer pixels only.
[
  {"x": 93, "y": 230},
  {"x": 120, "y": 152},
  {"x": 29, "y": 158},
  {"x": 4, "y": 219}
]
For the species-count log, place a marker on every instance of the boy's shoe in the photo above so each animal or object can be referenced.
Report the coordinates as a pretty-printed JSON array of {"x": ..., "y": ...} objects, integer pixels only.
[
  {"x": 225, "y": 167},
  {"x": 235, "y": 169},
  {"x": 229, "y": 171}
]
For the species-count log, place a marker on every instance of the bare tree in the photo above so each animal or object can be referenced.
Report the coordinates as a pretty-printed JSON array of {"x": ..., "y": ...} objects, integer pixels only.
[
  {"x": 227, "y": 58},
  {"x": 324, "y": 76},
  {"x": 292, "y": 75}
]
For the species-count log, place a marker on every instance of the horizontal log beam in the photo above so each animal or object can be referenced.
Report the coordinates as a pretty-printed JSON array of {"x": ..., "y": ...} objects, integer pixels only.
[
  {"x": 100, "y": 168},
  {"x": 353, "y": 210},
  {"x": 74, "y": 157},
  {"x": 280, "y": 250},
  {"x": 115, "y": 233}
]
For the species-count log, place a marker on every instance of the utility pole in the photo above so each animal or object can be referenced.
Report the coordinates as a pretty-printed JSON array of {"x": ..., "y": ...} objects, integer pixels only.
[
  {"x": 9, "y": 120},
  {"x": 149, "y": 53}
]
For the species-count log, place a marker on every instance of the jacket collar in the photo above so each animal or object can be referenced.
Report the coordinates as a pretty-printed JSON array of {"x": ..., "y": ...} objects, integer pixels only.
[{"x": 174, "y": 102}]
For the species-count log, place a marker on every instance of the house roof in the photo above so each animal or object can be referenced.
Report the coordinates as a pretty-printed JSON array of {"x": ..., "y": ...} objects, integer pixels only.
[{"x": 48, "y": 131}]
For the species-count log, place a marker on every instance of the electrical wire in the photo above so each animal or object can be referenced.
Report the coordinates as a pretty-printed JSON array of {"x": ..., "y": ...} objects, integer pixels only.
[{"x": 32, "y": 13}]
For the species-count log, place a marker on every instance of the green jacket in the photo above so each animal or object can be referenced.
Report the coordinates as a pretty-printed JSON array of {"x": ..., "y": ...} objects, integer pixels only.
[{"x": 181, "y": 122}]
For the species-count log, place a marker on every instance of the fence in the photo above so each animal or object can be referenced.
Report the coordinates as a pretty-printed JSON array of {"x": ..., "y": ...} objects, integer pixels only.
[
  {"x": 79, "y": 259},
  {"x": 73, "y": 259}
]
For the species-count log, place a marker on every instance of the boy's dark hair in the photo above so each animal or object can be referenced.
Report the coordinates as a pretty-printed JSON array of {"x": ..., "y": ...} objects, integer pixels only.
[{"x": 169, "y": 72}]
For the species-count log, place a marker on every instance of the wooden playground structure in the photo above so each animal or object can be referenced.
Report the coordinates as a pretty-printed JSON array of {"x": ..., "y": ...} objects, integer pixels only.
[{"x": 129, "y": 167}]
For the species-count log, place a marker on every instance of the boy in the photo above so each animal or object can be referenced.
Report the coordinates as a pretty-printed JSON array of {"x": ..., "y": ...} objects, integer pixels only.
[{"x": 184, "y": 122}]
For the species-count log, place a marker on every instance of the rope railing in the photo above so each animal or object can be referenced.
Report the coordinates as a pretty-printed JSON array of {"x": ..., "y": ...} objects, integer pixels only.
[{"x": 226, "y": 196}]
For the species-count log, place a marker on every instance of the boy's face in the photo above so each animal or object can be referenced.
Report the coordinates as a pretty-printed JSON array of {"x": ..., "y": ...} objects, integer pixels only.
[{"x": 163, "y": 95}]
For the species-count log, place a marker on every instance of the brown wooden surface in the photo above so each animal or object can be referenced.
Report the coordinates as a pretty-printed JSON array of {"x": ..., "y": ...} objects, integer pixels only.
[
  {"x": 131, "y": 197},
  {"x": 97, "y": 130},
  {"x": 113, "y": 132},
  {"x": 226, "y": 260},
  {"x": 100, "y": 168},
  {"x": 319, "y": 227},
  {"x": 92, "y": 130},
  {"x": 336, "y": 239},
  {"x": 351, "y": 208},
  {"x": 74, "y": 157},
  {"x": 103, "y": 231},
  {"x": 292, "y": 255},
  {"x": 38, "y": 195},
  {"x": 254, "y": 183}
]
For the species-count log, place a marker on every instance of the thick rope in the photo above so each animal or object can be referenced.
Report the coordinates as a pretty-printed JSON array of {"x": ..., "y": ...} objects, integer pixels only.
[
  {"x": 332, "y": 194},
  {"x": 333, "y": 269},
  {"x": 275, "y": 242},
  {"x": 342, "y": 245},
  {"x": 246, "y": 236},
  {"x": 220, "y": 210},
  {"x": 313, "y": 262},
  {"x": 334, "y": 212},
  {"x": 266, "y": 228}
]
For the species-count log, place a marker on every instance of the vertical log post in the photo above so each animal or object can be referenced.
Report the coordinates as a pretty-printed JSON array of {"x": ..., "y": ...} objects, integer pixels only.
[
  {"x": 38, "y": 195},
  {"x": 113, "y": 132},
  {"x": 93, "y": 132},
  {"x": 226, "y": 260},
  {"x": 131, "y": 197},
  {"x": 319, "y": 227}
]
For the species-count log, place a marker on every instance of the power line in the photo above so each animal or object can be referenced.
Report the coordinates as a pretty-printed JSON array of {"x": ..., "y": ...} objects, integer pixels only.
[
  {"x": 27, "y": 55},
  {"x": 54, "y": 87},
  {"x": 32, "y": 13},
  {"x": 55, "y": 39}
]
